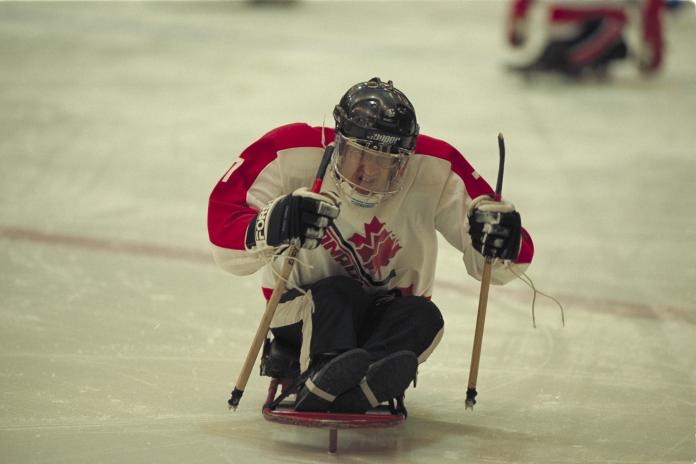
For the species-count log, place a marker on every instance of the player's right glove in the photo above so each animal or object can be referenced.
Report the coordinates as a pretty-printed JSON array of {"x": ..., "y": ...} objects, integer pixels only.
[
  {"x": 300, "y": 216},
  {"x": 495, "y": 228}
]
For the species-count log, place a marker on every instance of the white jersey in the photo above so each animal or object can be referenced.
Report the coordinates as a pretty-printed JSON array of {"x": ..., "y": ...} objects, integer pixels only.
[{"x": 391, "y": 245}]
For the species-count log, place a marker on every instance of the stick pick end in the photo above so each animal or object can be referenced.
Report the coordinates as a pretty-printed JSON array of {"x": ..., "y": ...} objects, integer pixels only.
[
  {"x": 470, "y": 398},
  {"x": 233, "y": 402}
]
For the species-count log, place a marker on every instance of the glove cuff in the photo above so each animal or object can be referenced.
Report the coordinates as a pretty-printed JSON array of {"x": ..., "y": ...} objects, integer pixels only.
[
  {"x": 258, "y": 231},
  {"x": 488, "y": 204}
]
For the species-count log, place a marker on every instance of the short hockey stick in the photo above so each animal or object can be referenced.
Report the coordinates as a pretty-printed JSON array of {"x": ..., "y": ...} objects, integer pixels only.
[
  {"x": 272, "y": 304},
  {"x": 483, "y": 295}
]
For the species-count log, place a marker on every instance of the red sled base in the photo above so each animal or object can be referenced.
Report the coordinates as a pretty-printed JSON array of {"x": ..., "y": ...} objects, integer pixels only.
[{"x": 385, "y": 415}]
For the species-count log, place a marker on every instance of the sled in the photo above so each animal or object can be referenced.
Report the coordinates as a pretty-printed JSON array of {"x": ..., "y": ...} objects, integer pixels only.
[
  {"x": 385, "y": 415},
  {"x": 388, "y": 414}
]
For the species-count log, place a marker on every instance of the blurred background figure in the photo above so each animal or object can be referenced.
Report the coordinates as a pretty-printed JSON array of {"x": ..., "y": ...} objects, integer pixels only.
[{"x": 586, "y": 37}]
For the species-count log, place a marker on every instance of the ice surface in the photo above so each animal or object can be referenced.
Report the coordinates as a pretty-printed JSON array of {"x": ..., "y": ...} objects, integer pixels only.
[{"x": 120, "y": 340}]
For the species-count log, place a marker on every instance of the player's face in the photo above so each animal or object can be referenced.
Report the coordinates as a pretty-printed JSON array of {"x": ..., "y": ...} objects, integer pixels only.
[
  {"x": 370, "y": 171},
  {"x": 367, "y": 170}
]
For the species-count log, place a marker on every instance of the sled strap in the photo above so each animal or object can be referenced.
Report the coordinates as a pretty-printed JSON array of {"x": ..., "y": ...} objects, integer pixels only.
[
  {"x": 369, "y": 394},
  {"x": 293, "y": 388},
  {"x": 324, "y": 395}
]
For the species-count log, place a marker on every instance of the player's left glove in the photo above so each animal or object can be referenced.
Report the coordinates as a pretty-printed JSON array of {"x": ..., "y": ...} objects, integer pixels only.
[
  {"x": 495, "y": 228},
  {"x": 301, "y": 217}
]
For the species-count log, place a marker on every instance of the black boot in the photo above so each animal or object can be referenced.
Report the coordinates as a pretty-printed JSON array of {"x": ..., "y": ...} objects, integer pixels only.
[
  {"x": 386, "y": 379},
  {"x": 329, "y": 377}
]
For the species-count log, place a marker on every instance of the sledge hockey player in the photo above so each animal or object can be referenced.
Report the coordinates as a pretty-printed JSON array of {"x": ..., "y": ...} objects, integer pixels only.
[
  {"x": 357, "y": 311},
  {"x": 585, "y": 37}
]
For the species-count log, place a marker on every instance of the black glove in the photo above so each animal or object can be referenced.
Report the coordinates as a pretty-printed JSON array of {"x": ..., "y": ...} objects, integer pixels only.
[
  {"x": 302, "y": 215},
  {"x": 495, "y": 228}
]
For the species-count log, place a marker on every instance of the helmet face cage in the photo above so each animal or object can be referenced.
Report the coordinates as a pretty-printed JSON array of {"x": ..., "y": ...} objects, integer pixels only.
[
  {"x": 376, "y": 131},
  {"x": 366, "y": 172}
]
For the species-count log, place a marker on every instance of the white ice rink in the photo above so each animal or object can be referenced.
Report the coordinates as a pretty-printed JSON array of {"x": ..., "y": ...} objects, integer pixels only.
[{"x": 120, "y": 340}]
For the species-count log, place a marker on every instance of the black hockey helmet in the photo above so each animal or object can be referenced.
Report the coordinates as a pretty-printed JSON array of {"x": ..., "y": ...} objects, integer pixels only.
[
  {"x": 376, "y": 133},
  {"x": 376, "y": 113}
]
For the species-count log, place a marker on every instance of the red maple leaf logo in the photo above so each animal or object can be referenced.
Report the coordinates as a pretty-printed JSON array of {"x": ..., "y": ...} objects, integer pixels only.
[{"x": 377, "y": 247}]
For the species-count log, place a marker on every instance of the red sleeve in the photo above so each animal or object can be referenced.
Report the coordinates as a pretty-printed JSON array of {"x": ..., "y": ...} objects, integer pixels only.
[
  {"x": 652, "y": 31},
  {"x": 520, "y": 8},
  {"x": 229, "y": 214},
  {"x": 474, "y": 184},
  {"x": 526, "y": 249}
]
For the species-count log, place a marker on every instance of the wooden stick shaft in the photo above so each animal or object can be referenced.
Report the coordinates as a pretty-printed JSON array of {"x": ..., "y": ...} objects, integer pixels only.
[
  {"x": 483, "y": 296},
  {"x": 265, "y": 322},
  {"x": 480, "y": 322}
]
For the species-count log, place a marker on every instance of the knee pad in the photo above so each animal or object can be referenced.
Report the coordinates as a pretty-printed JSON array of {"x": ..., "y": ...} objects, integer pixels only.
[{"x": 425, "y": 312}]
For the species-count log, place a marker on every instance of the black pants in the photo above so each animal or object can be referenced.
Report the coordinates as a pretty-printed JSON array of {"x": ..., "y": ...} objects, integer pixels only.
[{"x": 346, "y": 317}]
